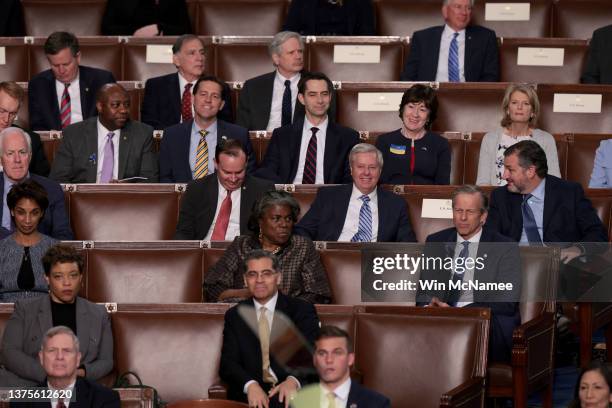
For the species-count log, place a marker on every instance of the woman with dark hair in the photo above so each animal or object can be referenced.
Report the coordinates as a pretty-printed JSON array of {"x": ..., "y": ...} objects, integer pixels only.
[
  {"x": 21, "y": 270},
  {"x": 271, "y": 229},
  {"x": 593, "y": 389},
  {"x": 413, "y": 154}
]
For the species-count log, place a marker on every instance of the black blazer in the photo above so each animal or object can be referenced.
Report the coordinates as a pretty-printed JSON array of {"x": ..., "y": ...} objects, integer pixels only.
[
  {"x": 174, "y": 150},
  {"x": 598, "y": 67},
  {"x": 481, "y": 55},
  {"x": 55, "y": 221},
  {"x": 199, "y": 205},
  {"x": 282, "y": 156},
  {"x": 327, "y": 214},
  {"x": 87, "y": 394},
  {"x": 241, "y": 351},
  {"x": 302, "y": 17},
  {"x": 161, "y": 105},
  {"x": 123, "y": 17},
  {"x": 568, "y": 214},
  {"x": 42, "y": 96}
]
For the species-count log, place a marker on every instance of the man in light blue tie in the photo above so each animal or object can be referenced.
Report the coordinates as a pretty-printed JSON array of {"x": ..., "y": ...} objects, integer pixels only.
[{"x": 454, "y": 52}]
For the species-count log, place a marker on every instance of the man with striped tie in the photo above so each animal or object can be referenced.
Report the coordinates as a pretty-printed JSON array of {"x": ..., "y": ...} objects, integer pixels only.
[
  {"x": 187, "y": 148},
  {"x": 64, "y": 94},
  {"x": 454, "y": 52},
  {"x": 359, "y": 211}
]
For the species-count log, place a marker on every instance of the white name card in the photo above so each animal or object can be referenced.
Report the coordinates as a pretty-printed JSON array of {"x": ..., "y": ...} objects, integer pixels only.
[
  {"x": 437, "y": 208},
  {"x": 2, "y": 55},
  {"x": 356, "y": 54},
  {"x": 378, "y": 101},
  {"x": 159, "y": 54},
  {"x": 540, "y": 57},
  {"x": 507, "y": 11},
  {"x": 577, "y": 103}
]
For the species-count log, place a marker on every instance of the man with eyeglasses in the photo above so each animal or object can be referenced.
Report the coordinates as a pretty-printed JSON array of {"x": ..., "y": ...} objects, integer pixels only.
[
  {"x": 267, "y": 339},
  {"x": 11, "y": 97}
]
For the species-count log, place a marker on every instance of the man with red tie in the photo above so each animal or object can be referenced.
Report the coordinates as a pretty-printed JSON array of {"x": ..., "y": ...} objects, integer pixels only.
[{"x": 217, "y": 207}]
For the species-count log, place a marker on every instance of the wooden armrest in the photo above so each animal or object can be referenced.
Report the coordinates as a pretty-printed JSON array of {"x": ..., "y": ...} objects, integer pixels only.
[
  {"x": 469, "y": 394},
  {"x": 218, "y": 390}
]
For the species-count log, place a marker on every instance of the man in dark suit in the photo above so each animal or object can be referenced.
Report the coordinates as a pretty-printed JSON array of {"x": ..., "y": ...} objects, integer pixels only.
[
  {"x": 598, "y": 68},
  {"x": 267, "y": 338},
  {"x": 167, "y": 98},
  {"x": 333, "y": 359},
  {"x": 493, "y": 258},
  {"x": 202, "y": 215},
  {"x": 455, "y": 52},
  {"x": 64, "y": 94},
  {"x": 15, "y": 157},
  {"x": 11, "y": 96},
  {"x": 25, "y": 329},
  {"x": 312, "y": 151},
  {"x": 184, "y": 150},
  {"x": 343, "y": 213},
  {"x": 60, "y": 357},
  {"x": 108, "y": 148}
]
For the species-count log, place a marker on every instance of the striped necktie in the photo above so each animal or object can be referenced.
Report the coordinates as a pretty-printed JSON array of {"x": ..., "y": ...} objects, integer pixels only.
[
  {"x": 201, "y": 164},
  {"x": 310, "y": 165},
  {"x": 65, "y": 107},
  {"x": 453, "y": 60},
  {"x": 364, "y": 230}
]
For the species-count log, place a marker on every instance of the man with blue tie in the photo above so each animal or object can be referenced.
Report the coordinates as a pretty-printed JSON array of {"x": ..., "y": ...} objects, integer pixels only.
[{"x": 454, "y": 52}]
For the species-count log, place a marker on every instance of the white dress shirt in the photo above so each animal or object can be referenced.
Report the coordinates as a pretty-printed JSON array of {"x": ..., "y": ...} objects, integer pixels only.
[
  {"x": 66, "y": 401},
  {"x": 306, "y": 134},
  {"x": 276, "y": 109},
  {"x": 102, "y": 132},
  {"x": 233, "y": 228},
  {"x": 341, "y": 394},
  {"x": 447, "y": 36},
  {"x": 182, "y": 83},
  {"x": 74, "y": 90},
  {"x": 351, "y": 222},
  {"x": 467, "y": 296}
]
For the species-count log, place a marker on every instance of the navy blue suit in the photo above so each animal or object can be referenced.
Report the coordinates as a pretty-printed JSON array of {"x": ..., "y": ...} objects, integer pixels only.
[
  {"x": 282, "y": 156},
  {"x": 501, "y": 264},
  {"x": 42, "y": 96},
  {"x": 161, "y": 105},
  {"x": 327, "y": 214},
  {"x": 481, "y": 55},
  {"x": 362, "y": 397},
  {"x": 55, "y": 222},
  {"x": 174, "y": 150}
]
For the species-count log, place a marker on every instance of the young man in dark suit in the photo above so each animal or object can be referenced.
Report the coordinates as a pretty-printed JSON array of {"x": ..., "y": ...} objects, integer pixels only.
[
  {"x": 333, "y": 358},
  {"x": 185, "y": 148},
  {"x": 314, "y": 150},
  {"x": 64, "y": 94},
  {"x": 339, "y": 213},
  {"x": 258, "y": 334},
  {"x": 454, "y": 52}
]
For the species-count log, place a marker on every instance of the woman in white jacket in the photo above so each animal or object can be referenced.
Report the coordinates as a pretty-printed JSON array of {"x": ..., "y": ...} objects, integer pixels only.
[{"x": 520, "y": 109}]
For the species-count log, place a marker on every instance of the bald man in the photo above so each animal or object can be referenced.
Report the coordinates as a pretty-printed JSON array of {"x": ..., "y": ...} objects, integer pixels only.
[{"x": 108, "y": 148}]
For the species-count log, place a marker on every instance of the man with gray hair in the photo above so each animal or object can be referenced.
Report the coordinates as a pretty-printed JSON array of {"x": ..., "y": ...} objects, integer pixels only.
[
  {"x": 60, "y": 358},
  {"x": 360, "y": 211},
  {"x": 270, "y": 100},
  {"x": 168, "y": 98},
  {"x": 454, "y": 52},
  {"x": 15, "y": 157}
]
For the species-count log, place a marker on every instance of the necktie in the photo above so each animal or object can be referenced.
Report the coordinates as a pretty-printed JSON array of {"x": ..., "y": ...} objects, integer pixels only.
[
  {"x": 454, "y": 294},
  {"x": 310, "y": 165},
  {"x": 109, "y": 160},
  {"x": 223, "y": 218},
  {"x": 331, "y": 400},
  {"x": 264, "y": 341},
  {"x": 286, "y": 107},
  {"x": 529, "y": 223},
  {"x": 60, "y": 403},
  {"x": 186, "y": 104},
  {"x": 453, "y": 60},
  {"x": 65, "y": 107},
  {"x": 201, "y": 165},
  {"x": 364, "y": 230}
]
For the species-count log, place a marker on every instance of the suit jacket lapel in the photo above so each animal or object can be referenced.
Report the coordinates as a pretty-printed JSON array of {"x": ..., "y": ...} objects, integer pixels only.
[
  {"x": 82, "y": 324},
  {"x": 332, "y": 141},
  {"x": 295, "y": 144},
  {"x": 85, "y": 94},
  {"x": 469, "y": 50},
  {"x": 91, "y": 148},
  {"x": 45, "y": 320},
  {"x": 183, "y": 146},
  {"x": 549, "y": 205},
  {"x": 515, "y": 201},
  {"x": 53, "y": 102},
  {"x": 245, "y": 197},
  {"x": 266, "y": 94},
  {"x": 125, "y": 144},
  {"x": 341, "y": 210},
  {"x": 211, "y": 206},
  {"x": 434, "y": 51},
  {"x": 383, "y": 222},
  {"x": 176, "y": 96},
  {"x": 1, "y": 194}
]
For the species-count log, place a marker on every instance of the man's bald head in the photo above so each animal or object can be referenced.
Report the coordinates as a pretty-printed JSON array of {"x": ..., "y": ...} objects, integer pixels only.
[{"x": 113, "y": 104}]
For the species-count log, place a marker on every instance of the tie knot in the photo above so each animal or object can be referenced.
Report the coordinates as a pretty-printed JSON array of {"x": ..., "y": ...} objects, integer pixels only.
[
  {"x": 314, "y": 130},
  {"x": 526, "y": 197},
  {"x": 203, "y": 133},
  {"x": 188, "y": 86},
  {"x": 466, "y": 245},
  {"x": 262, "y": 312},
  {"x": 455, "y": 35},
  {"x": 67, "y": 85},
  {"x": 287, "y": 83},
  {"x": 110, "y": 135},
  {"x": 365, "y": 198}
]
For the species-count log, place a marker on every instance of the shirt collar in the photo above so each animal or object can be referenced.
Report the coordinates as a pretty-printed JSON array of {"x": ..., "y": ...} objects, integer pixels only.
[
  {"x": 196, "y": 128},
  {"x": 104, "y": 131},
  {"x": 320, "y": 126},
  {"x": 448, "y": 32},
  {"x": 356, "y": 194},
  {"x": 74, "y": 81},
  {"x": 294, "y": 79},
  {"x": 341, "y": 391},
  {"x": 539, "y": 192},
  {"x": 8, "y": 182},
  {"x": 183, "y": 82},
  {"x": 474, "y": 240},
  {"x": 270, "y": 304}
]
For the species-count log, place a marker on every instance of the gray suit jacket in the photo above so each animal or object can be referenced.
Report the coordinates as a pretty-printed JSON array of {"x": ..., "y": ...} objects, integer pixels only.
[
  {"x": 23, "y": 336},
  {"x": 76, "y": 158}
]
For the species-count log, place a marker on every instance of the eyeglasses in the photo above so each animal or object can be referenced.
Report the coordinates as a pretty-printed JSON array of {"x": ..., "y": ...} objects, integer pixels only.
[
  {"x": 11, "y": 115},
  {"x": 267, "y": 274}
]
